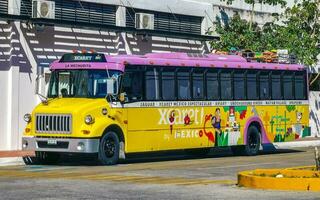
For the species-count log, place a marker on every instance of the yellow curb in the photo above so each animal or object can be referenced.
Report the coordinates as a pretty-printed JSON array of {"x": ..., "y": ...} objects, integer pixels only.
[{"x": 288, "y": 179}]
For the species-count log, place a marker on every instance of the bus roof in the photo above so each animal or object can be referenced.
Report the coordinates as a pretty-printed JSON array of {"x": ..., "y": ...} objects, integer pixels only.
[{"x": 118, "y": 62}]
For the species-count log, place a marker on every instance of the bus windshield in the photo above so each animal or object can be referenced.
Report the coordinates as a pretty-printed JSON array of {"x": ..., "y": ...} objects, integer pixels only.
[{"x": 80, "y": 83}]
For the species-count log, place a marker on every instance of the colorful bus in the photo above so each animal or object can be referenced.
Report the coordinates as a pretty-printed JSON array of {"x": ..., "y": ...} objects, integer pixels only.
[{"x": 116, "y": 105}]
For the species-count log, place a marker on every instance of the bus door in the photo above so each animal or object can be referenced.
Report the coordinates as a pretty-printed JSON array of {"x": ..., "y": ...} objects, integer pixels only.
[{"x": 141, "y": 87}]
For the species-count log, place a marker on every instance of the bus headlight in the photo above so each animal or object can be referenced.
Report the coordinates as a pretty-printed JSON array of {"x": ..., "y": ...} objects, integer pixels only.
[
  {"x": 80, "y": 146},
  {"x": 27, "y": 118},
  {"x": 24, "y": 144},
  {"x": 89, "y": 119}
]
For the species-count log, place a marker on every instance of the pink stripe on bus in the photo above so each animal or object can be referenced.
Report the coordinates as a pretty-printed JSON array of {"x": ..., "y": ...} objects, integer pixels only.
[{"x": 118, "y": 62}]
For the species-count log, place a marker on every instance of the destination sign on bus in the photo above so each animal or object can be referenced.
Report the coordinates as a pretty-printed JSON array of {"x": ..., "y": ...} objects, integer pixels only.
[{"x": 83, "y": 57}]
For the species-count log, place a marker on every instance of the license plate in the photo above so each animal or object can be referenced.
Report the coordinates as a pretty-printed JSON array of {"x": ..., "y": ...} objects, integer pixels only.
[{"x": 52, "y": 142}]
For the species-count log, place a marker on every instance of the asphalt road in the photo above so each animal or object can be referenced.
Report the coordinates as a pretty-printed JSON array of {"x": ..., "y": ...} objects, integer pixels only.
[{"x": 171, "y": 175}]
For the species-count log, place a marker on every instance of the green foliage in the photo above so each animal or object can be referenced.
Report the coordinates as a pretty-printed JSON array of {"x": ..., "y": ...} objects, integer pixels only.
[
  {"x": 298, "y": 30},
  {"x": 302, "y": 29},
  {"x": 237, "y": 34}
]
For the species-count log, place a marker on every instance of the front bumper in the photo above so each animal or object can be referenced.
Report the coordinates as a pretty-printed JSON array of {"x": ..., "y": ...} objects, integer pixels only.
[{"x": 68, "y": 145}]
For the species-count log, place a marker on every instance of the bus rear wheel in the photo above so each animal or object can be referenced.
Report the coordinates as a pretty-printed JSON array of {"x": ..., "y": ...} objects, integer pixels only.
[
  {"x": 253, "y": 141},
  {"x": 252, "y": 146},
  {"x": 109, "y": 149}
]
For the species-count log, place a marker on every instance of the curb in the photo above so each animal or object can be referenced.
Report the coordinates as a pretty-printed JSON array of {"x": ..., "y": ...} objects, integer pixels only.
[
  {"x": 11, "y": 161},
  {"x": 9, "y": 158},
  {"x": 298, "y": 180},
  {"x": 15, "y": 153},
  {"x": 296, "y": 144}
]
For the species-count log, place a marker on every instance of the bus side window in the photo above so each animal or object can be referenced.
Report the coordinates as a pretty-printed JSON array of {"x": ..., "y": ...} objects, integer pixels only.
[
  {"x": 287, "y": 85},
  {"x": 168, "y": 85},
  {"x": 252, "y": 92},
  {"x": 238, "y": 85},
  {"x": 183, "y": 78},
  {"x": 300, "y": 86},
  {"x": 276, "y": 85},
  {"x": 152, "y": 84},
  {"x": 197, "y": 84},
  {"x": 226, "y": 86},
  {"x": 212, "y": 83},
  {"x": 132, "y": 84},
  {"x": 264, "y": 86}
]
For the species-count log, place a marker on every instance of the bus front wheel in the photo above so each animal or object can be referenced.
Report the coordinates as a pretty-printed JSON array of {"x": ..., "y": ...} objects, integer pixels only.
[{"x": 109, "y": 149}]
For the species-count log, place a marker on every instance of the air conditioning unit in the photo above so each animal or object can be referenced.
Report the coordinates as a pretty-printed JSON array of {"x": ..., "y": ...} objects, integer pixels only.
[
  {"x": 43, "y": 9},
  {"x": 144, "y": 21}
]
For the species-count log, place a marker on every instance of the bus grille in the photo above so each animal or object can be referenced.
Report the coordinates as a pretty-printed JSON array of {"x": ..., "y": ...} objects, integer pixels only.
[{"x": 53, "y": 123}]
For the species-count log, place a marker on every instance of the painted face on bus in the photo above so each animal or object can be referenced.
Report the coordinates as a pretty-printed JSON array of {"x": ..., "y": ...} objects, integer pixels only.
[
  {"x": 217, "y": 114},
  {"x": 231, "y": 110}
]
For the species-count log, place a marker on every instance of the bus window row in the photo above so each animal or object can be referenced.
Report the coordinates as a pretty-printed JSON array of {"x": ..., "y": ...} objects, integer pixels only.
[{"x": 170, "y": 83}]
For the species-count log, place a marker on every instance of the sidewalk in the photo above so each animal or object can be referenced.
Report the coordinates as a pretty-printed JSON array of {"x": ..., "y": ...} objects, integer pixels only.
[
  {"x": 13, "y": 157},
  {"x": 304, "y": 142},
  {"x": 15, "y": 153}
]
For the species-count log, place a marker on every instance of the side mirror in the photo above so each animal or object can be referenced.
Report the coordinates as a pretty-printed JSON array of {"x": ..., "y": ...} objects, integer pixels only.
[{"x": 110, "y": 86}]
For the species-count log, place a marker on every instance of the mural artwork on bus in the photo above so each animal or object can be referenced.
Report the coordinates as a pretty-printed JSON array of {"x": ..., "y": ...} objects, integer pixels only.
[
  {"x": 225, "y": 126},
  {"x": 284, "y": 124},
  {"x": 226, "y": 130}
]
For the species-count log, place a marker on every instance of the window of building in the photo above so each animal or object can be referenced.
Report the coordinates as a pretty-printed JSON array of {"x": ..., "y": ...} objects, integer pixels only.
[
  {"x": 197, "y": 84},
  {"x": 226, "y": 85},
  {"x": 276, "y": 85},
  {"x": 212, "y": 82},
  {"x": 183, "y": 83},
  {"x": 264, "y": 85},
  {"x": 152, "y": 84},
  {"x": 238, "y": 85},
  {"x": 288, "y": 85},
  {"x": 168, "y": 85},
  {"x": 252, "y": 92}
]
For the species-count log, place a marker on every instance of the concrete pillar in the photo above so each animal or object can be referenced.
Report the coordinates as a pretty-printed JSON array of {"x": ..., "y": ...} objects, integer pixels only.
[
  {"x": 12, "y": 132},
  {"x": 4, "y": 108}
]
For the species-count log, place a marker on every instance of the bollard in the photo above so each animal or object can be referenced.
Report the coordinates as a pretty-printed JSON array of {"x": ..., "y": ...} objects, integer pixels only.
[{"x": 317, "y": 158}]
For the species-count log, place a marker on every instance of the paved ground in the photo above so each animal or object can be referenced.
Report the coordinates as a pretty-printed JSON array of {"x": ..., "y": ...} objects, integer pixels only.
[{"x": 158, "y": 176}]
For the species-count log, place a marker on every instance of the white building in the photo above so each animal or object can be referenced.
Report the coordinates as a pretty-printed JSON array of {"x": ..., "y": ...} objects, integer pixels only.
[{"x": 27, "y": 45}]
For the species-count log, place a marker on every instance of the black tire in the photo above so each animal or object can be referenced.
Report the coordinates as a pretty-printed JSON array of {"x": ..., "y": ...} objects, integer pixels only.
[
  {"x": 42, "y": 158},
  {"x": 109, "y": 149},
  {"x": 197, "y": 152},
  {"x": 253, "y": 142}
]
